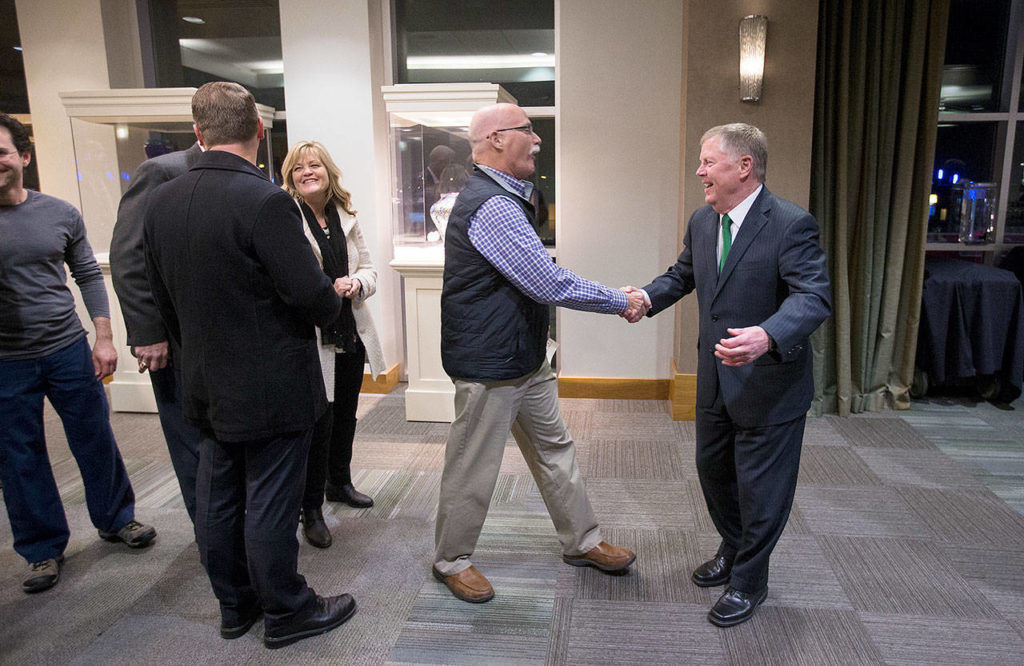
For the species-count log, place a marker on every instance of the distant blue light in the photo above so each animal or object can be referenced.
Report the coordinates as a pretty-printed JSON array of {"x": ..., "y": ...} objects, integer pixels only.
[
  {"x": 18, "y": 49},
  {"x": 941, "y": 174},
  {"x": 110, "y": 176},
  {"x": 956, "y": 178},
  {"x": 126, "y": 176},
  {"x": 80, "y": 177}
]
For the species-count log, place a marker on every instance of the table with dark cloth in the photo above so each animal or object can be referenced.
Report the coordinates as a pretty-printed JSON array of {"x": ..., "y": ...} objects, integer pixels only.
[{"x": 972, "y": 324}]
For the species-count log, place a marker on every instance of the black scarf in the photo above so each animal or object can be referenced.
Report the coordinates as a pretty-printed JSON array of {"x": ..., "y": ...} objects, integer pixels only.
[{"x": 334, "y": 250}]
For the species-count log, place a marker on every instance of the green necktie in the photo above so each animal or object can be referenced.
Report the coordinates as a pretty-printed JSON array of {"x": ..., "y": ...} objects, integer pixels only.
[{"x": 726, "y": 241}]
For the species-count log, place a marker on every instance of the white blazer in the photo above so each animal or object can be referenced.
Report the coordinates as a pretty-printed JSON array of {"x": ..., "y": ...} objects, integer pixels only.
[{"x": 360, "y": 266}]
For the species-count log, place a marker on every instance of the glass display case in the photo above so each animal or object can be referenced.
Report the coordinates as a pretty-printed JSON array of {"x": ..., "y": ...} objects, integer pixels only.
[
  {"x": 428, "y": 135},
  {"x": 430, "y": 156},
  {"x": 113, "y": 132}
]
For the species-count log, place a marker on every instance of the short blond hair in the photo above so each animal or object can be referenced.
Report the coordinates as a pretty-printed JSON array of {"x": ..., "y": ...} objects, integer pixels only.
[{"x": 334, "y": 189}]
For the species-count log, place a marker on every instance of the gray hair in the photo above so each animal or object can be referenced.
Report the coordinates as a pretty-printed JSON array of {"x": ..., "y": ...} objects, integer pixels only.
[{"x": 739, "y": 139}]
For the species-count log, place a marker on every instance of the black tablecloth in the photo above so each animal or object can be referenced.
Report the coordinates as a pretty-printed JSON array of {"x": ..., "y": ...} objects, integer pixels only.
[{"x": 972, "y": 323}]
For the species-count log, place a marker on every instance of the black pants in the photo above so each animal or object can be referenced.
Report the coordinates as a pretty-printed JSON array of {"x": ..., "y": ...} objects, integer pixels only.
[
  {"x": 330, "y": 453},
  {"x": 181, "y": 436},
  {"x": 247, "y": 507},
  {"x": 748, "y": 476}
]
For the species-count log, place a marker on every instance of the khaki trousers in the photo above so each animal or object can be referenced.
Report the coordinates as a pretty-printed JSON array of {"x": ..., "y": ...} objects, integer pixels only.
[{"x": 484, "y": 414}]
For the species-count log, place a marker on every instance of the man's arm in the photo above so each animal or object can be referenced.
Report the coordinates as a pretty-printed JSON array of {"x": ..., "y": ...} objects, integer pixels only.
[
  {"x": 146, "y": 332},
  {"x": 501, "y": 233},
  {"x": 87, "y": 275},
  {"x": 287, "y": 257}
]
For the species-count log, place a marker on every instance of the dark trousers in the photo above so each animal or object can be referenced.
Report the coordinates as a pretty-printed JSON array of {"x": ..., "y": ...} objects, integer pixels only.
[
  {"x": 247, "y": 507},
  {"x": 37, "y": 517},
  {"x": 330, "y": 454},
  {"x": 748, "y": 476},
  {"x": 181, "y": 436}
]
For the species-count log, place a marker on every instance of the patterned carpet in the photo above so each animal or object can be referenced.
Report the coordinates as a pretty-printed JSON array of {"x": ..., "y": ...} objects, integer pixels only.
[{"x": 904, "y": 547}]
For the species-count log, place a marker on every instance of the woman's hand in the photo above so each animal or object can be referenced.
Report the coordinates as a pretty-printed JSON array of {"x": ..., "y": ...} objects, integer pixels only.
[{"x": 347, "y": 287}]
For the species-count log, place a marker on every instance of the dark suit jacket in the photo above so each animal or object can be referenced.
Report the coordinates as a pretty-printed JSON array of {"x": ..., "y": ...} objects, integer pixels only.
[
  {"x": 774, "y": 277},
  {"x": 240, "y": 290},
  {"x": 127, "y": 258}
]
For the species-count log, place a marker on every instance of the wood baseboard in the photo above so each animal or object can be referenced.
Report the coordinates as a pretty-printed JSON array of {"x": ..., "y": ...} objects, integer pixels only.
[
  {"x": 683, "y": 395},
  {"x": 613, "y": 388},
  {"x": 385, "y": 382}
]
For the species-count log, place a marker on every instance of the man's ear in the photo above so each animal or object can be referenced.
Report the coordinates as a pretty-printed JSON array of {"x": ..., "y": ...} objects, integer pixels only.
[
  {"x": 260, "y": 132},
  {"x": 199, "y": 136},
  {"x": 746, "y": 165},
  {"x": 26, "y": 158}
]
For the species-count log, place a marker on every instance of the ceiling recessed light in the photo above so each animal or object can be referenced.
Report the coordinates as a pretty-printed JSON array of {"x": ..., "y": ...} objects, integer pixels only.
[
  {"x": 18, "y": 49},
  {"x": 539, "y": 54},
  {"x": 193, "y": 19}
]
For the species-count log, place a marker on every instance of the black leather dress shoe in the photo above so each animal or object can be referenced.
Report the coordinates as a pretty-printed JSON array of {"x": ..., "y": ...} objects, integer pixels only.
[
  {"x": 734, "y": 607},
  {"x": 714, "y": 572},
  {"x": 314, "y": 528},
  {"x": 240, "y": 626},
  {"x": 349, "y": 495},
  {"x": 328, "y": 613}
]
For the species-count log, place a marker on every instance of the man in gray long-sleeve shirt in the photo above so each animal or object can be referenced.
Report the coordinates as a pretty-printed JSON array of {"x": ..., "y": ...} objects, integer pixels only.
[{"x": 44, "y": 352}]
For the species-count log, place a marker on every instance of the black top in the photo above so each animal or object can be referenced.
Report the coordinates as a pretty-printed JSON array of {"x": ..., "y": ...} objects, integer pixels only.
[{"x": 334, "y": 250}]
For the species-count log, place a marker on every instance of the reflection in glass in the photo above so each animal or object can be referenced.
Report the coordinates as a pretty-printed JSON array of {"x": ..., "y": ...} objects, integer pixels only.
[
  {"x": 963, "y": 152},
  {"x": 973, "y": 70},
  {"x": 1014, "y": 230}
]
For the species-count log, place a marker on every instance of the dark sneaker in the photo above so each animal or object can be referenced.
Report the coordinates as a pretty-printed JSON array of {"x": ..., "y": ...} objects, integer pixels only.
[
  {"x": 43, "y": 575},
  {"x": 134, "y": 534}
]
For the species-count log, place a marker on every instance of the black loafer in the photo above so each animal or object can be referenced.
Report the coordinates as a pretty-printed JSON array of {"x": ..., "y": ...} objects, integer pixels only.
[
  {"x": 715, "y": 571},
  {"x": 231, "y": 629},
  {"x": 734, "y": 607},
  {"x": 347, "y": 493},
  {"x": 328, "y": 613}
]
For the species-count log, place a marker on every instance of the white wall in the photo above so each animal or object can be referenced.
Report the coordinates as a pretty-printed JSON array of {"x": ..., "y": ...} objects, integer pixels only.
[
  {"x": 333, "y": 70},
  {"x": 618, "y": 100},
  {"x": 333, "y": 73}
]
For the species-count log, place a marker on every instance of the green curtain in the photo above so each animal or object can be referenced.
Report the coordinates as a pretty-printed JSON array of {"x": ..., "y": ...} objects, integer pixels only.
[{"x": 879, "y": 71}]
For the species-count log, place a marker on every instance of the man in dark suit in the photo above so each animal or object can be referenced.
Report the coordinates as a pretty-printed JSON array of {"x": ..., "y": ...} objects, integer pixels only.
[
  {"x": 147, "y": 335},
  {"x": 240, "y": 291},
  {"x": 762, "y": 289}
]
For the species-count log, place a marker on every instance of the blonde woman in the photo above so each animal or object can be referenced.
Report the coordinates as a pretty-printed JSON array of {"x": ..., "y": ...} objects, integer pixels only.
[{"x": 314, "y": 180}]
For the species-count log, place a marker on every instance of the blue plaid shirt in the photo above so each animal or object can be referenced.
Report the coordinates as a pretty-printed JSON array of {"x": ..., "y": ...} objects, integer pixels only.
[{"x": 503, "y": 235}]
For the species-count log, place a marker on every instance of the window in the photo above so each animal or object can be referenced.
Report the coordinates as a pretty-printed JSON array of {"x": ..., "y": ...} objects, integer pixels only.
[{"x": 979, "y": 145}]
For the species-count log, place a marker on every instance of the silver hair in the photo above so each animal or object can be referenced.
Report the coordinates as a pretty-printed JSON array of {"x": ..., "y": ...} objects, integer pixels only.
[{"x": 739, "y": 139}]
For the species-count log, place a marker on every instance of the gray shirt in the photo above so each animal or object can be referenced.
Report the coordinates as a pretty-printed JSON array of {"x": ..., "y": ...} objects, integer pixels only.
[{"x": 37, "y": 309}]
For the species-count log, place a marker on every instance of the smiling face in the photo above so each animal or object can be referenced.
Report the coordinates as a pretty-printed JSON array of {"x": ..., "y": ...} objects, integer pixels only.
[
  {"x": 310, "y": 177},
  {"x": 12, "y": 164},
  {"x": 521, "y": 145},
  {"x": 727, "y": 180}
]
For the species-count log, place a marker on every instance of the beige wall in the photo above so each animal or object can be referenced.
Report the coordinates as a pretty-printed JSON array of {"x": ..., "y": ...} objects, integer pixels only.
[
  {"x": 333, "y": 70},
  {"x": 711, "y": 94},
  {"x": 617, "y": 95}
]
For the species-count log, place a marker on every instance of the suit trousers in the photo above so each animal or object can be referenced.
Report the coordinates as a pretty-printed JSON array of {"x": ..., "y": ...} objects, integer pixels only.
[
  {"x": 247, "y": 511},
  {"x": 484, "y": 414},
  {"x": 181, "y": 436},
  {"x": 67, "y": 378},
  {"x": 748, "y": 476}
]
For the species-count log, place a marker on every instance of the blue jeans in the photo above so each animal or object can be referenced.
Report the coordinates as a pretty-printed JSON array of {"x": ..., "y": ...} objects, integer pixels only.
[{"x": 33, "y": 503}]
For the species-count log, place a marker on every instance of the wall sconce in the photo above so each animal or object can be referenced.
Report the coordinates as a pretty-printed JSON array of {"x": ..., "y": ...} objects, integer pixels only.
[{"x": 753, "y": 36}]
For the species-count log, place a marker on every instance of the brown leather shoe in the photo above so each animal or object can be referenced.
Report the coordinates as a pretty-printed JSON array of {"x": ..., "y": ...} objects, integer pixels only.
[
  {"x": 469, "y": 585},
  {"x": 603, "y": 556}
]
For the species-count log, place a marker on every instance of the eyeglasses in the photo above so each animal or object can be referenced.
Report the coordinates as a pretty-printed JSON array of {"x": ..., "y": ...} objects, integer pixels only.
[{"x": 525, "y": 129}]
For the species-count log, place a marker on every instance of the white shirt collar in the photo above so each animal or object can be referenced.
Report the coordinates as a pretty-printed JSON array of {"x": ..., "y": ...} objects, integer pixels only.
[{"x": 739, "y": 213}]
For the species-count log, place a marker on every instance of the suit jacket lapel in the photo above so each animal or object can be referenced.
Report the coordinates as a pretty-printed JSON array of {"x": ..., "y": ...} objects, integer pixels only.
[{"x": 755, "y": 220}]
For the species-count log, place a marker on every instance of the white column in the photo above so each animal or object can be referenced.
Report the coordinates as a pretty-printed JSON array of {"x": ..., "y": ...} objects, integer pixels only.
[
  {"x": 333, "y": 70},
  {"x": 618, "y": 95}
]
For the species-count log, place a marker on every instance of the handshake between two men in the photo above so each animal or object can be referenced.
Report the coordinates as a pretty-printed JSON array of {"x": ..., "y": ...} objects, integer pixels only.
[{"x": 745, "y": 345}]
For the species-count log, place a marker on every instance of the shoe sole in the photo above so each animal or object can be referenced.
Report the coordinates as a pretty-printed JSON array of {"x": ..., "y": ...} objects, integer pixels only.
[
  {"x": 231, "y": 633},
  {"x": 282, "y": 641},
  {"x": 718, "y": 622},
  {"x": 440, "y": 577},
  {"x": 584, "y": 562},
  {"x": 710, "y": 583}
]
